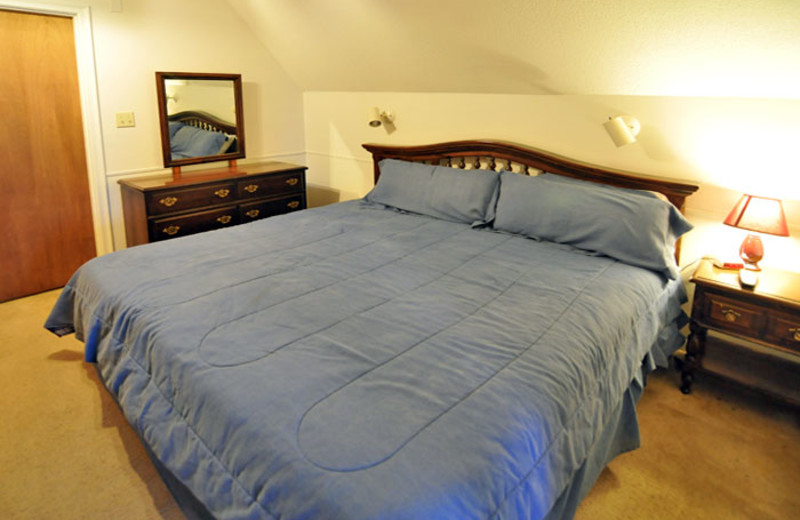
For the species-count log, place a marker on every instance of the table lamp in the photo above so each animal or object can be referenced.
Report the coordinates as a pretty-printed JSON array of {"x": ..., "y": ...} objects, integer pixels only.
[{"x": 762, "y": 215}]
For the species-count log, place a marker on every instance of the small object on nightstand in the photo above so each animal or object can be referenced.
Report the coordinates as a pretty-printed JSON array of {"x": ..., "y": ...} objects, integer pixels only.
[
  {"x": 748, "y": 278},
  {"x": 719, "y": 264}
]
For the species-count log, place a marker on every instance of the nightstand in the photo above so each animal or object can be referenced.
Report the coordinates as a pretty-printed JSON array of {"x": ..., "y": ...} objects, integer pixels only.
[{"x": 768, "y": 314}]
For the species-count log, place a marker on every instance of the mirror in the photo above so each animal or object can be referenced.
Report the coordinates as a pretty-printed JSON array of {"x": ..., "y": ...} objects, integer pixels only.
[{"x": 201, "y": 117}]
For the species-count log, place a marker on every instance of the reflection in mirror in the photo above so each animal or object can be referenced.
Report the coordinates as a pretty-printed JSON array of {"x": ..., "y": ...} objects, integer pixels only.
[{"x": 201, "y": 117}]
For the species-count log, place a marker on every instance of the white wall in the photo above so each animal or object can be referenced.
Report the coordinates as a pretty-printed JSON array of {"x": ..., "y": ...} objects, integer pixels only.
[{"x": 728, "y": 146}]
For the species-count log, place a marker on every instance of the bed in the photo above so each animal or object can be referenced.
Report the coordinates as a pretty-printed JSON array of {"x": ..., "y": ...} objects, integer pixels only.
[
  {"x": 195, "y": 133},
  {"x": 467, "y": 341}
]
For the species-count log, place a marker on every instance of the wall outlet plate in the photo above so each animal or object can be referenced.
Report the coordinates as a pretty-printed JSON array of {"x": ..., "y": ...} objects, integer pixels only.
[{"x": 125, "y": 120}]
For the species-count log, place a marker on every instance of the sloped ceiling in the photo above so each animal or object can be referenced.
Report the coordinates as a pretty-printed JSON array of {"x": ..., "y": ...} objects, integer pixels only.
[{"x": 717, "y": 48}]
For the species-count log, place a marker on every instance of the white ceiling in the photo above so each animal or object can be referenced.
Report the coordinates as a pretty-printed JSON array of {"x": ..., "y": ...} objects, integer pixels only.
[{"x": 718, "y": 48}]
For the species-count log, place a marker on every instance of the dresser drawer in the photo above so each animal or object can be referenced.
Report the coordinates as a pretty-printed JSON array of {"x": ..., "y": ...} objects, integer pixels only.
[
  {"x": 784, "y": 330},
  {"x": 171, "y": 227},
  {"x": 734, "y": 316},
  {"x": 268, "y": 185},
  {"x": 172, "y": 201},
  {"x": 257, "y": 210}
]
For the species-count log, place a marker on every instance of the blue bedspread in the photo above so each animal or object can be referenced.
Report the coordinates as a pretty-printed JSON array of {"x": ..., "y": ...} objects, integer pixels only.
[{"x": 351, "y": 362}]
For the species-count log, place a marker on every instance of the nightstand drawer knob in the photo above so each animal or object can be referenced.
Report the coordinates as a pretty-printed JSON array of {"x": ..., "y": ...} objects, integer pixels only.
[
  {"x": 222, "y": 193},
  {"x": 795, "y": 333},
  {"x": 224, "y": 219},
  {"x": 251, "y": 188},
  {"x": 293, "y": 204},
  {"x": 168, "y": 201},
  {"x": 731, "y": 315},
  {"x": 253, "y": 213},
  {"x": 292, "y": 181}
]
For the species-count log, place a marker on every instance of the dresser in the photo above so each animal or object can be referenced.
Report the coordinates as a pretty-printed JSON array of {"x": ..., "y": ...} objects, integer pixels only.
[
  {"x": 164, "y": 206},
  {"x": 768, "y": 314}
]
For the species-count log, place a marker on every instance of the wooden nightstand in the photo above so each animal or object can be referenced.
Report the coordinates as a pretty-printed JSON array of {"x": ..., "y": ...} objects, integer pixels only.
[{"x": 768, "y": 315}]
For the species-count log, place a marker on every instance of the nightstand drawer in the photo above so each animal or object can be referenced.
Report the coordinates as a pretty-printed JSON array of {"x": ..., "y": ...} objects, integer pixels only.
[
  {"x": 171, "y": 201},
  {"x": 259, "y": 210},
  {"x": 258, "y": 187},
  {"x": 172, "y": 227},
  {"x": 734, "y": 316},
  {"x": 784, "y": 330}
]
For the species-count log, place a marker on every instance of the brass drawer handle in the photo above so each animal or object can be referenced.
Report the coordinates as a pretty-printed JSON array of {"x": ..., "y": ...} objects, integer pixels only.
[
  {"x": 251, "y": 188},
  {"x": 171, "y": 230},
  {"x": 224, "y": 219},
  {"x": 293, "y": 204},
  {"x": 292, "y": 181},
  {"x": 731, "y": 315},
  {"x": 222, "y": 193},
  {"x": 795, "y": 333},
  {"x": 168, "y": 201},
  {"x": 253, "y": 213}
]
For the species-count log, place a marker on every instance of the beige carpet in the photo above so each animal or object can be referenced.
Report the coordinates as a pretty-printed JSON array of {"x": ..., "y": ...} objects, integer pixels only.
[{"x": 67, "y": 453}]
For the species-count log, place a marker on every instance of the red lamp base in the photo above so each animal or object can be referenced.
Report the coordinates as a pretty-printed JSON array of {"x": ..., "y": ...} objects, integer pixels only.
[{"x": 752, "y": 251}]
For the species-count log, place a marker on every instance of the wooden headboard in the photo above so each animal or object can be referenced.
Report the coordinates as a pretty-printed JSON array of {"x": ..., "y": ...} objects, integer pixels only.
[
  {"x": 204, "y": 121},
  {"x": 502, "y": 155}
]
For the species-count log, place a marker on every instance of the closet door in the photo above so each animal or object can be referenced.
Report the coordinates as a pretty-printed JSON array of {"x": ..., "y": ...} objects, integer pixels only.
[{"x": 45, "y": 209}]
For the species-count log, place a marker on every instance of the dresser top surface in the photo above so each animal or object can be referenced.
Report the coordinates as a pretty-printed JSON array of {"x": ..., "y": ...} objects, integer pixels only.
[{"x": 208, "y": 175}]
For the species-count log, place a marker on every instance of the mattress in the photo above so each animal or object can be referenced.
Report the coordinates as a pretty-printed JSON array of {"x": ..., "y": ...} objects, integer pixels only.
[{"x": 355, "y": 362}]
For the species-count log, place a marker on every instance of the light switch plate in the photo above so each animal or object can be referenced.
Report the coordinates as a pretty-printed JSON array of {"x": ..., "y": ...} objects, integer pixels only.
[{"x": 125, "y": 120}]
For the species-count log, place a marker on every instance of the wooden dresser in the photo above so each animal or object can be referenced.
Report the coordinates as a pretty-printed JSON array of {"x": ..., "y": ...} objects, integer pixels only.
[{"x": 162, "y": 207}]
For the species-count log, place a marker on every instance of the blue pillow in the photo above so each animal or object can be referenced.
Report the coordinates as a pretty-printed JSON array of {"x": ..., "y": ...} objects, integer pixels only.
[
  {"x": 677, "y": 221},
  {"x": 189, "y": 141},
  {"x": 174, "y": 126},
  {"x": 629, "y": 227},
  {"x": 453, "y": 194}
]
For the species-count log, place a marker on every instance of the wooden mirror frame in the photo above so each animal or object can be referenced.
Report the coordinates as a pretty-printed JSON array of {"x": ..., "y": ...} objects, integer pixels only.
[{"x": 236, "y": 79}]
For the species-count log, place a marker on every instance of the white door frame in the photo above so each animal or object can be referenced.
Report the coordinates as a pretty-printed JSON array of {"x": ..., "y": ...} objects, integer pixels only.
[{"x": 90, "y": 111}]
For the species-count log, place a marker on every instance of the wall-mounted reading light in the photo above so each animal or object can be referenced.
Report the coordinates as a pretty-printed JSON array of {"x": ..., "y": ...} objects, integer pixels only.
[
  {"x": 378, "y": 117},
  {"x": 622, "y": 129}
]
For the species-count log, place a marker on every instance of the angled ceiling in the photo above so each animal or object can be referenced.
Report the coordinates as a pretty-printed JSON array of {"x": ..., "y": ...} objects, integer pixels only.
[{"x": 717, "y": 48}]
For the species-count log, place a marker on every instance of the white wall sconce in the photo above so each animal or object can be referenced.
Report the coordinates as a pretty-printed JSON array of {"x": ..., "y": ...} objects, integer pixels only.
[
  {"x": 622, "y": 129},
  {"x": 378, "y": 117}
]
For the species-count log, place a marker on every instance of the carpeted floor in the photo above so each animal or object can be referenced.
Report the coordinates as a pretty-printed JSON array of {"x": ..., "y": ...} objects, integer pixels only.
[{"x": 67, "y": 453}]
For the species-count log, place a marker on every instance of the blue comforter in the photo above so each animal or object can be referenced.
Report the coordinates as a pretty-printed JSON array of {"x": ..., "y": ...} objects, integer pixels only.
[{"x": 351, "y": 362}]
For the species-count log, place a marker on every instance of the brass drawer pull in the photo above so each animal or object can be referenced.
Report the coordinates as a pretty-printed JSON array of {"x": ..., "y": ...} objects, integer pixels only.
[
  {"x": 168, "y": 201},
  {"x": 293, "y": 204},
  {"x": 222, "y": 193},
  {"x": 292, "y": 181},
  {"x": 731, "y": 315},
  {"x": 171, "y": 230},
  {"x": 251, "y": 188},
  {"x": 795, "y": 333},
  {"x": 253, "y": 213},
  {"x": 224, "y": 219}
]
